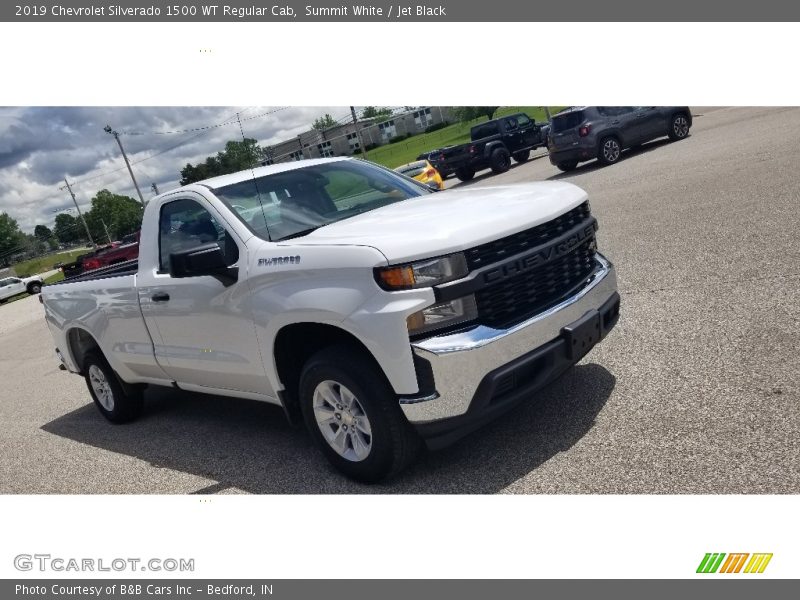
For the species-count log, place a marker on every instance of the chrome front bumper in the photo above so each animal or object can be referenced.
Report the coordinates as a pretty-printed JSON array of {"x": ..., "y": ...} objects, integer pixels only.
[{"x": 461, "y": 360}]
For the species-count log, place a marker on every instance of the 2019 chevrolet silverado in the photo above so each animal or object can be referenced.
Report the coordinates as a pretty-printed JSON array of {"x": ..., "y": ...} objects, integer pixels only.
[
  {"x": 584, "y": 133},
  {"x": 377, "y": 311}
]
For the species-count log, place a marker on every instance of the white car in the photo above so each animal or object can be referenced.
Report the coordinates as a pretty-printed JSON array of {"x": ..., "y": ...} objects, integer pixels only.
[
  {"x": 381, "y": 312},
  {"x": 12, "y": 286}
]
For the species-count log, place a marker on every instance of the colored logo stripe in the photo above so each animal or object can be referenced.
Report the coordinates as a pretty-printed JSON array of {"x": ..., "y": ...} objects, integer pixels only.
[
  {"x": 710, "y": 562},
  {"x": 734, "y": 563},
  {"x": 758, "y": 563}
]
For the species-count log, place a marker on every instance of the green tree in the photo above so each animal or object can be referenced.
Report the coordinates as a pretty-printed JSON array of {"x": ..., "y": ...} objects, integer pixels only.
[
  {"x": 42, "y": 232},
  {"x": 325, "y": 122},
  {"x": 237, "y": 156},
  {"x": 11, "y": 238},
  {"x": 120, "y": 214},
  {"x": 468, "y": 113},
  {"x": 371, "y": 112},
  {"x": 68, "y": 229}
]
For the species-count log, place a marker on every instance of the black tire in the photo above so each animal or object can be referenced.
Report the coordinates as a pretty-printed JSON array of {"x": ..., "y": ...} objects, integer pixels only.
[
  {"x": 127, "y": 400},
  {"x": 394, "y": 443},
  {"x": 500, "y": 161},
  {"x": 465, "y": 173},
  {"x": 567, "y": 165},
  {"x": 34, "y": 288},
  {"x": 522, "y": 157},
  {"x": 678, "y": 127},
  {"x": 609, "y": 151}
]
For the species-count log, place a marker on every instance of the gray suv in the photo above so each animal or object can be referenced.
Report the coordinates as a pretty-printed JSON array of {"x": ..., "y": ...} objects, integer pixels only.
[{"x": 583, "y": 133}]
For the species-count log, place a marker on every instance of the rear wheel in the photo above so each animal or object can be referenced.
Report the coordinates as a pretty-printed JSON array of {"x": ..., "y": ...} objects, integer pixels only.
[
  {"x": 353, "y": 415},
  {"x": 521, "y": 157},
  {"x": 500, "y": 161},
  {"x": 567, "y": 165},
  {"x": 465, "y": 173},
  {"x": 117, "y": 402},
  {"x": 34, "y": 288},
  {"x": 678, "y": 127},
  {"x": 609, "y": 151}
]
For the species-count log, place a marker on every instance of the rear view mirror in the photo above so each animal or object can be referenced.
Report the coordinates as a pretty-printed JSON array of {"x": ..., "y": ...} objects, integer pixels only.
[
  {"x": 433, "y": 186},
  {"x": 208, "y": 259}
]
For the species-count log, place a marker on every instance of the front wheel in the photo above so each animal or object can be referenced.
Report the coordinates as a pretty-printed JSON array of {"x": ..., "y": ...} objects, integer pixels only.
[
  {"x": 353, "y": 415},
  {"x": 35, "y": 288},
  {"x": 116, "y": 402},
  {"x": 679, "y": 127}
]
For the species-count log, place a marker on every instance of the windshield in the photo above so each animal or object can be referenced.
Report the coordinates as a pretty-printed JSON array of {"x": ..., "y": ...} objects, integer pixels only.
[{"x": 296, "y": 202}]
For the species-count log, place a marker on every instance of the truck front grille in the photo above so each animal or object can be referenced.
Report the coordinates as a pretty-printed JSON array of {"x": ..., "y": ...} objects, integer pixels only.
[
  {"x": 529, "y": 293},
  {"x": 495, "y": 251}
]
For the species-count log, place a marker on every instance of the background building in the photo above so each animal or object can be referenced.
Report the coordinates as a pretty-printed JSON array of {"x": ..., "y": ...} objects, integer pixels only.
[{"x": 342, "y": 140}]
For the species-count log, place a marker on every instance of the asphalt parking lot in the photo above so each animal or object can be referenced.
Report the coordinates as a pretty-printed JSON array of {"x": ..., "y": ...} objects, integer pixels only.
[{"x": 695, "y": 391}]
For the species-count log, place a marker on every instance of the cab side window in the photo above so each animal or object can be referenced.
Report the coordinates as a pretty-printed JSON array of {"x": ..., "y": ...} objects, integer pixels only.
[
  {"x": 184, "y": 225},
  {"x": 523, "y": 121}
]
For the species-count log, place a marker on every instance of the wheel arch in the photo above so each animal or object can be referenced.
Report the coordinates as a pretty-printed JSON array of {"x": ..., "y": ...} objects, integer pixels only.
[
  {"x": 492, "y": 146},
  {"x": 611, "y": 133},
  {"x": 296, "y": 343},
  {"x": 79, "y": 342},
  {"x": 679, "y": 111}
]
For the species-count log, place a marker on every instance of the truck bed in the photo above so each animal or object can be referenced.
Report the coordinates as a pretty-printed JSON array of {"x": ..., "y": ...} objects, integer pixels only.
[{"x": 118, "y": 270}]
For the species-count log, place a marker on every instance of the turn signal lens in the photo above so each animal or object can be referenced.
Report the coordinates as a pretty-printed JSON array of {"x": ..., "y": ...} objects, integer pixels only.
[{"x": 397, "y": 277}]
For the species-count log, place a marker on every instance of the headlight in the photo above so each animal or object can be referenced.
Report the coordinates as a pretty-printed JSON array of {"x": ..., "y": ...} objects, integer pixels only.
[
  {"x": 444, "y": 314},
  {"x": 423, "y": 273}
]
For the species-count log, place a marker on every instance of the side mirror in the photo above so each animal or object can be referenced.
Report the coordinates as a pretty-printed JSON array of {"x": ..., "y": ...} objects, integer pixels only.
[
  {"x": 207, "y": 259},
  {"x": 432, "y": 185}
]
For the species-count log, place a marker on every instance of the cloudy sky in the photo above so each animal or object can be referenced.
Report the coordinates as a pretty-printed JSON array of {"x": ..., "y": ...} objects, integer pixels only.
[{"x": 40, "y": 146}]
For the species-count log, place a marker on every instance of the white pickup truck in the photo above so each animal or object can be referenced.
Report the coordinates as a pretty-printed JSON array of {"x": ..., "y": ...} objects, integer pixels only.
[
  {"x": 12, "y": 286},
  {"x": 381, "y": 313}
]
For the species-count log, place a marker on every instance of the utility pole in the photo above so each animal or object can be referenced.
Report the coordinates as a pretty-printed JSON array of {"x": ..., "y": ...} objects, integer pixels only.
[
  {"x": 108, "y": 235},
  {"x": 108, "y": 129},
  {"x": 154, "y": 187},
  {"x": 358, "y": 132},
  {"x": 80, "y": 214},
  {"x": 547, "y": 113}
]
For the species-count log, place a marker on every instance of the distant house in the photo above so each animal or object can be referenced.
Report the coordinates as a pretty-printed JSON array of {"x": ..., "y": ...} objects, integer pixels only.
[{"x": 342, "y": 140}]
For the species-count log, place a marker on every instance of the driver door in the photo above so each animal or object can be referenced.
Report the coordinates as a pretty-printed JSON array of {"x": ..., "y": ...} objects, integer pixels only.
[{"x": 202, "y": 329}]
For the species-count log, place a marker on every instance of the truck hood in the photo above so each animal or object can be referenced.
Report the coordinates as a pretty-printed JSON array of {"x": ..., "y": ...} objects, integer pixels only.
[{"x": 451, "y": 220}]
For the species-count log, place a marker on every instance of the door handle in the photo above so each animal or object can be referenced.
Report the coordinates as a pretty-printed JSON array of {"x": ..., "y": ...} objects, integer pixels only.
[{"x": 160, "y": 297}]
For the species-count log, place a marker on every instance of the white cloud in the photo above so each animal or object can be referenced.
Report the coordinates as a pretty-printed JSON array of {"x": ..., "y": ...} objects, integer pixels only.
[{"x": 39, "y": 146}]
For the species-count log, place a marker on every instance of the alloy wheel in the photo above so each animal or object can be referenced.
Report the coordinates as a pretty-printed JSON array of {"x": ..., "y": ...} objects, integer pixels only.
[
  {"x": 681, "y": 126},
  {"x": 342, "y": 420},
  {"x": 101, "y": 388},
  {"x": 611, "y": 150}
]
